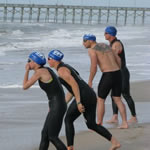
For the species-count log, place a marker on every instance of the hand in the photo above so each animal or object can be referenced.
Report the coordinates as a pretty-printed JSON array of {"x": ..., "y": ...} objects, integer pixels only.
[
  {"x": 81, "y": 108},
  {"x": 27, "y": 67}
]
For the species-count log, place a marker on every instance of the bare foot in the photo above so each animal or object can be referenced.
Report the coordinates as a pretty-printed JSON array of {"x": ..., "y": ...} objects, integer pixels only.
[
  {"x": 70, "y": 148},
  {"x": 115, "y": 144},
  {"x": 133, "y": 120},
  {"x": 98, "y": 123},
  {"x": 123, "y": 126},
  {"x": 114, "y": 119},
  {"x": 115, "y": 147}
]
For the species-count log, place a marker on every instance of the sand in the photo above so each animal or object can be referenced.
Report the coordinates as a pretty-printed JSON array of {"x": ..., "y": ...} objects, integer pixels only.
[
  {"x": 22, "y": 114},
  {"x": 141, "y": 91},
  {"x": 134, "y": 138}
]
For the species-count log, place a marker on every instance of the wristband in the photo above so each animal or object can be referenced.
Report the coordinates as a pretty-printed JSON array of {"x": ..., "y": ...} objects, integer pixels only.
[{"x": 78, "y": 103}]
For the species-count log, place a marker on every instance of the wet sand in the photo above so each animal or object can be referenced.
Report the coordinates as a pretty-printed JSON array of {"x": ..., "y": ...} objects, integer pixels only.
[
  {"x": 22, "y": 114},
  {"x": 134, "y": 138}
]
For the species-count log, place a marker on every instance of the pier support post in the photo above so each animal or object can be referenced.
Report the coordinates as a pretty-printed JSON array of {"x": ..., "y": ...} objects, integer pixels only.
[
  {"x": 39, "y": 13},
  {"x": 125, "y": 17},
  {"x": 73, "y": 17},
  {"x": 5, "y": 14},
  {"x": 117, "y": 11},
  {"x": 99, "y": 16},
  {"x": 30, "y": 14},
  {"x": 47, "y": 15},
  {"x": 22, "y": 12},
  {"x": 13, "y": 14}
]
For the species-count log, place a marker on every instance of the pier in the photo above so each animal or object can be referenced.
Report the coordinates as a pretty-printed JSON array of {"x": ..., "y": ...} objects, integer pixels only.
[{"x": 31, "y": 13}]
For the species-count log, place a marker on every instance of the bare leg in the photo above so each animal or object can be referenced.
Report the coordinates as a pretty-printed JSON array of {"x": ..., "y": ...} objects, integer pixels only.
[
  {"x": 115, "y": 144},
  {"x": 114, "y": 118},
  {"x": 100, "y": 110},
  {"x": 122, "y": 110}
]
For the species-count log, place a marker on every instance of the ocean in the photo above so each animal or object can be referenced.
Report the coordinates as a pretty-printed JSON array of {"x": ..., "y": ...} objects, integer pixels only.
[{"x": 17, "y": 41}]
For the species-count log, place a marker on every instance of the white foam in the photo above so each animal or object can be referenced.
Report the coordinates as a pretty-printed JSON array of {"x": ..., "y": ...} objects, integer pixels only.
[
  {"x": 16, "y": 86},
  {"x": 2, "y": 53},
  {"x": 17, "y": 32}
]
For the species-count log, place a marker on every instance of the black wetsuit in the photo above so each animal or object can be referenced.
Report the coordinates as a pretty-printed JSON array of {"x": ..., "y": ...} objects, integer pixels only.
[
  {"x": 125, "y": 82},
  {"x": 57, "y": 105},
  {"x": 88, "y": 99}
]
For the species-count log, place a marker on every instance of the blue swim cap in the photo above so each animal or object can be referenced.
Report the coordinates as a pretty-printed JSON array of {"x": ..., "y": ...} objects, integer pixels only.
[
  {"x": 38, "y": 58},
  {"x": 56, "y": 55},
  {"x": 89, "y": 37},
  {"x": 111, "y": 30}
]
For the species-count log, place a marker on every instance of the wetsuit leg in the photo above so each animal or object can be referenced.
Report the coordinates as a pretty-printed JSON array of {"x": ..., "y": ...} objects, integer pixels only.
[
  {"x": 44, "y": 136},
  {"x": 51, "y": 131},
  {"x": 116, "y": 89},
  {"x": 71, "y": 115},
  {"x": 58, "y": 143},
  {"x": 105, "y": 85},
  {"x": 126, "y": 91},
  {"x": 90, "y": 115},
  {"x": 114, "y": 107}
]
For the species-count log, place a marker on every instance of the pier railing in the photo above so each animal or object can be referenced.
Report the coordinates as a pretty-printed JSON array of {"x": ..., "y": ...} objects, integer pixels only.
[{"x": 73, "y": 14}]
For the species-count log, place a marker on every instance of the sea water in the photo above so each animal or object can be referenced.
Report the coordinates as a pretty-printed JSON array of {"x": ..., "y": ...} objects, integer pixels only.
[{"x": 17, "y": 41}]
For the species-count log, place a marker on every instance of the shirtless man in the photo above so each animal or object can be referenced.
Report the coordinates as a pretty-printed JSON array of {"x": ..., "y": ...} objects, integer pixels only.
[
  {"x": 109, "y": 63},
  {"x": 118, "y": 48}
]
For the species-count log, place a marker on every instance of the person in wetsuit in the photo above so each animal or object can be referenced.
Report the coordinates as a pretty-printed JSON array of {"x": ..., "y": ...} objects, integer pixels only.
[
  {"x": 84, "y": 101},
  {"x": 49, "y": 82},
  {"x": 118, "y": 48},
  {"x": 102, "y": 55}
]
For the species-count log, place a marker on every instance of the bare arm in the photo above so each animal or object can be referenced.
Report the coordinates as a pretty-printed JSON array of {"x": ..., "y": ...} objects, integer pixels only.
[
  {"x": 65, "y": 74},
  {"x": 27, "y": 83},
  {"x": 117, "y": 49},
  {"x": 68, "y": 97},
  {"x": 118, "y": 60},
  {"x": 93, "y": 66}
]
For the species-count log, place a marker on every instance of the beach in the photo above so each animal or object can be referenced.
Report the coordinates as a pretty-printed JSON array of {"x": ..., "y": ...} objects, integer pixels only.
[
  {"x": 22, "y": 115},
  {"x": 130, "y": 139},
  {"x": 140, "y": 91}
]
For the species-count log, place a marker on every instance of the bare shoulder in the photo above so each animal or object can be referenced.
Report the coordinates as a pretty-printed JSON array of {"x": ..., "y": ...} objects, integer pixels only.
[
  {"x": 91, "y": 53},
  {"x": 102, "y": 47},
  {"x": 117, "y": 43},
  {"x": 117, "y": 46},
  {"x": 42, "y": 72},
  {"x": 63, "y": 72}
]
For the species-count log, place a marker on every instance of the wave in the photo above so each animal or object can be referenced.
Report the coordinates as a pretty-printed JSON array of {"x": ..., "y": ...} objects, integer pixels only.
[
  {"x": 16, "y": 86},
  {"x": 17, "y": 32},
  {"x": 44, "y": 36}
]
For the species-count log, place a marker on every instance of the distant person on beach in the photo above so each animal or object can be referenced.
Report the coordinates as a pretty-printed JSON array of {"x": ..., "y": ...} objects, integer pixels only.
[
  {"x": 118, "y": 48},
  {"x": 48, "y": 82},
  {"x": 109, "y": 63},
  {"x": 84, "y": 101}
]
